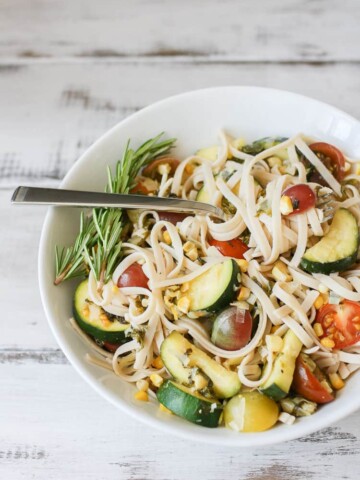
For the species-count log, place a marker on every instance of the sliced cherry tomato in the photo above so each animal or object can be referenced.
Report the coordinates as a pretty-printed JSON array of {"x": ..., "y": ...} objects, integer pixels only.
[
  {"x": 143, "y": 186},
  {"x": 231, "y": 248},
  {"x": 111, "y": 347},
  {"x": 232, "y": 329},
  {"x": 133, "y": 276},
  {"x": 172, "y": 217},
  {"x": 152, "y": 170},
  {"x": 333, "y": 160},
  {"x": 310, "y": 384},
  {"x": 341, "y": 323},
  {"x": 302, "y": 198}
]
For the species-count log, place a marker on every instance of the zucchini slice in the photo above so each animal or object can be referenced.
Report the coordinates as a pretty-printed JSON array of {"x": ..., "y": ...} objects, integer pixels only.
[
  {"x": 278, "y": 384},
  {"x": 189, "y": 405},
  {"x": 203, "y": 196},
  {"x": 88, "y": 317},
  {"x": 180, "y": 357},
  {"x": 216, "y": 288},
  {"x": 338, "y": 249},
  {"x": 210, "y": 153}
]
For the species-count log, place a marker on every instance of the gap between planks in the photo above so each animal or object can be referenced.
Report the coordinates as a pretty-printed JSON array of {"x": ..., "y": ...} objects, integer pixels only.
[{"x": 109, "y": 57}]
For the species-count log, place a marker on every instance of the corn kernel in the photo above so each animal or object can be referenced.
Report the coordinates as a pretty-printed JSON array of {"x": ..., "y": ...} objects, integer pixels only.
[
  {"x": 238, "y": 143},
  {"x": 274, "y": 343},
  {"x": 142, "y": 385},
  {"x": 280, "y": 272},
  {"x": 357, "y": 169},
  {"x": 157, "y": 362},
  {"x": 142, "y": 396},
  {"x": 286, "y": 206},
  {"x": 327, "y": 342},
  {"x": 274, "y": 328},
  {"x": 188, "y": 246},
  {"x": 164, "y": 409},
  {"x": 244, "y": 294},
  {"x": 167, "y": 238},
  {"x": 185, "y": 287},
  {"x": 156, "y": 379},
  {"x": 200, "y": 382},
  {"x": 336, "y": 381},
  {"x": 183, "y": 304},
  {"x": 114, "y": 289},
  {"x": 318, "y": 329},
  {"x": 347, "y": 167},
  {"x": 243, "y": 265},
  {"x": 193, "y": 254},
  {"x": 323, "y": 288},
  {"x": 189, "y": 168},
  {"x": 104, "y": 319},
  {"x": 164, "y": 168},
  {"x": 273, "y": 161},
  {"x": 319, "y": 302},
  {"x": 325, "y": 384}
]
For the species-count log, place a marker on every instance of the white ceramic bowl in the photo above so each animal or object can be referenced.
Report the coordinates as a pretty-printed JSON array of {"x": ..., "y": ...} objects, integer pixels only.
[{"x": 194, "y": 118}]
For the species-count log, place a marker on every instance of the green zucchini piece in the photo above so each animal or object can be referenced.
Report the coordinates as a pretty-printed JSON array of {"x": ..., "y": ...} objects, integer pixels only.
[
  {"x": 189, "y": 405},
  {"x": 216, "y": 288},
  {"x": 203, "y": 196},
  {"x": 278, "y": 384},
  {"x": 210, "y": 153},
  {"x": 180, "y": 357},
  {"x": 91, "y": 323},
  {"x": 263, "y": 144},
  {"x": 338, "y": 249}
]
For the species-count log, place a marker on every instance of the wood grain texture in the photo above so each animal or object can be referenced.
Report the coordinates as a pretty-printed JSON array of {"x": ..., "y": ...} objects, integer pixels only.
[
  {"x": 69, "y": 70},
  {"x": 62, "y": 108},
  {"x": 277, "y": 30},
  {"x": 68, "y": 431}
]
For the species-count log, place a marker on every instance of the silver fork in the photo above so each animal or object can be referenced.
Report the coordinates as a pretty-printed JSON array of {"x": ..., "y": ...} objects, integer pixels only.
[{"x": 76, "y": 198}]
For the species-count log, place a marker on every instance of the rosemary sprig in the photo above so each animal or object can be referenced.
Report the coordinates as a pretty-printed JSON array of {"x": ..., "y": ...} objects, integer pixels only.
[
  {"x": 69, "y": 261},
  {"x": 98, "y": 245},
  {"x": 102, "y": 257}
]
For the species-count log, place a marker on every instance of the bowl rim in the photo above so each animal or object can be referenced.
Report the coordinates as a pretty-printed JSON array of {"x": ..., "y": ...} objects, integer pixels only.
[{"x": 240, "y": 440}]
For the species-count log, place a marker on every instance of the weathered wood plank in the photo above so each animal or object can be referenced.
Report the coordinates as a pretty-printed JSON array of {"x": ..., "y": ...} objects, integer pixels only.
[
  {"x": 23, "y": 320},
  {"x": 232, "y": 29},
  {"x": 67, "y": 430},
  {"x": 59, "y": 110}
]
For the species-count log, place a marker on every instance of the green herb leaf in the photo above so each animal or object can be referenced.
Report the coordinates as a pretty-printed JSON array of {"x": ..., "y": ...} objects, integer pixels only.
[{"x": 98, "y": 245}]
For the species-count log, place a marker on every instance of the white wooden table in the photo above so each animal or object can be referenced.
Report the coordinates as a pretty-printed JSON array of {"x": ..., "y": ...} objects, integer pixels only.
[{"x": 68, "y": 71}]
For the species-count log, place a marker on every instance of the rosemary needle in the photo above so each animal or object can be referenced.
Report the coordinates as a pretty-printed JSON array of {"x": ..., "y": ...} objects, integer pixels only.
[{"x": 98, "y": 244}]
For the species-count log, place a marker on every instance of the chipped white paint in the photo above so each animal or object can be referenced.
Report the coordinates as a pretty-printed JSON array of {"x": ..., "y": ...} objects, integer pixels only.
[
  {"x": 69, "y": 71},
  {"x": 253, "y": 30}
]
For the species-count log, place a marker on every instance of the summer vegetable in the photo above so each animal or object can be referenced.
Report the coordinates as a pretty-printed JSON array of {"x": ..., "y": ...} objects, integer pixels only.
[
  {"x": 338, "y": 249},
  {"x": 340, "y": 323},
  {"x": 189, "y": 405},
  {"x": 94, "y": 321},
  {"x": 216, "y": 288},
  {"x": 98, "y": 245},
  {"x": 180, "y": 357},
  {"x": 239, "y": 322},
  {"x": 279, "y": 382}
]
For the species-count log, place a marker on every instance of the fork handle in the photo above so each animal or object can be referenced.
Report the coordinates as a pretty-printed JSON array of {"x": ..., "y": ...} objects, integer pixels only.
[{"x": 74, "y": 198}]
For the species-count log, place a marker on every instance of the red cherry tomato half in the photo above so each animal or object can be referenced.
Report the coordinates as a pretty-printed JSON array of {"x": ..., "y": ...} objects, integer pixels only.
[
  {"x": 133, "y": 276},
  {"x": 302, "y": 198},
  {"x": 232, "y": 329},
  {"x": 231, "y": 248},
  {"x": 172, "y": 217},
  {"x": 341, "y": 323},
  {"x": 307, "y": 384},
  {"x": 111, "y": 347},
  {"x": 152, "y": 171},
  {"x": 332, "y": 158}
]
